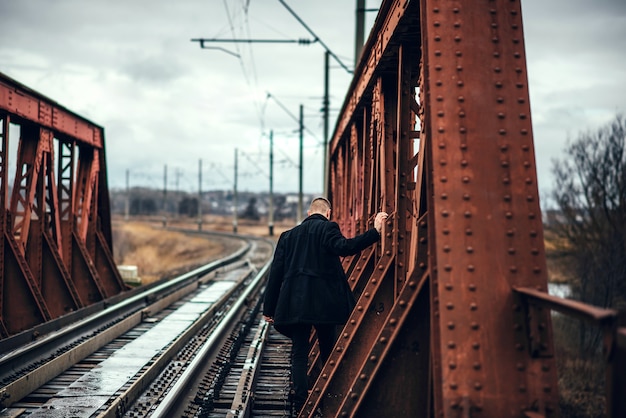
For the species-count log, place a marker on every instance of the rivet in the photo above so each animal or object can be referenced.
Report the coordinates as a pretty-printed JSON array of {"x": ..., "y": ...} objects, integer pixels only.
[
  {"x": 363, "y": 376},
  {"x": 450, "y": 306},
  {"x": 354, "y": 395},
  {"x": 526, "y": 164},
  {"x": 457, "y": 38},
  {"x": 450, "y": 325},
  {"x": 498, "y": 84},
  {"x": 324, "y": 376},
  {"x": 478, "y": 386},
  {"x": 496, "y": 54},
  {"x": 500, "y": 99},
  {"x": 495, "y": 39},
  {"x": 442, "y": 162},
  {"x": 366, "y": 294},
  {"x": 461, "y": 99},
  {"x": 453, "y": 386},
  {"x": 440, "y": 113},
  {"x": 438, "y": 83},
  {"x": 459, "y": 68},
  {"x": 445, "y": 231},
  {"x": 438, "y": 67},
  {"x": 317, "y": 389},
  {"x": 521, "y": 100},
  {"x": 456, "y": 10},
  {"x": 452, "y": 365},
  {"x": 461, "y": 114},
  {"x": 468, "y": 231},
  {"x": 504, "y": 163},
  {"x": 466, "y": 196},
  {"x": 470, "y": 267},
  {"x": 524, "y": 131},
  {"x": 441, "y": 129},
  {"x": 444, "y": 213},
  {"x": 534, "y": 251},
  {"x": 444, "y": 179},
  {"x": 477, "y": 366},
  {"x": 508, "y": 215},
  {"x": 474, "y": 325},
  {"x": 517, "y": 55},
  {"x": 507, "y": 197},
  {"x": 373, "y": 359},
  {"x": 502, "y": 131},
  {"x": 339, "y": 349},
  {"x": 500, "y": 115},
  {"x": 525, "y": 147},
  {"x": 472, "y": 287},
  {"x": 436, "y": 23},
  {"x": 522, "y": 116},
  {"x": 393, "y": 321},
  {"x": 475, "y": 346},
  {"x": 459, "y": 83},
  {"x": 470, "y": 249},
  {"x": 465, "y": 179},
  {"x": 506, "y": 180},
  {"x": 402, "y": 303},
  {"x": 440, "y": 98},
  {"x": 458, "y": 53},
  {"x": 457, "y": 24},
  {"x": 359, "y": 308},
  {"x": 463, "y": 163},
  {"x": 522, "y": 388},
  {"x": 533, "y": 233},
  {"x": 346, "y": 335},
  {"x": 437, "y": 53},
  {"x": 353, "y": 321},
  {"x": 467, "y": 214},
  {"x": 536, "y": 270},
  {"x": 382, "y": 340},
  {"x": 462, "y": 130},
  {"x": 530, "y": 198},
  {"x": 513, "y": 269},
  {"x": 520, "y": 367},
  {"x": 332, "y": 362},
  {"x": 448, "y": 286},
  {"x": 510, "y": 232},
  {"x": 463, "y": 146},
  {"x": 451, "y": 344},
  {"x": 473, "y": 306},
  {"x": 437, "y": 38},
  {"x": 511, "y": 250},
  {"x": 447, "y": 267},
  {"x": 436, "y": 10}
]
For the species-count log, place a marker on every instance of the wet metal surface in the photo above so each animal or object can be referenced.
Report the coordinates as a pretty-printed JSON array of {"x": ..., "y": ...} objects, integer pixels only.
[{"x": 90, "y": 392}]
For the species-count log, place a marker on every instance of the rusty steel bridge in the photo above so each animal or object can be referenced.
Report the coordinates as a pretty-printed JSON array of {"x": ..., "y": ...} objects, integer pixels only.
[{"x": 453, "y": 317}]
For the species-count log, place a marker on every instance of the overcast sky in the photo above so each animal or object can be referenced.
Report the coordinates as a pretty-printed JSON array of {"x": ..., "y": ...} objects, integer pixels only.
[{"x": 130, "y": 67}]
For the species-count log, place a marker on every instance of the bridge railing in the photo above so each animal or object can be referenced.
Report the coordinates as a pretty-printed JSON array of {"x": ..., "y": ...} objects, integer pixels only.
[{"x": 610, "y": 322}]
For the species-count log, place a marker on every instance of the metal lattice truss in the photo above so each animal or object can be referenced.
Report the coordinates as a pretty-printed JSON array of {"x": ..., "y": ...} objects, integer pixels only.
[
  {"x": 436, "y": 131},
  {"x": 54, "y": 224}
]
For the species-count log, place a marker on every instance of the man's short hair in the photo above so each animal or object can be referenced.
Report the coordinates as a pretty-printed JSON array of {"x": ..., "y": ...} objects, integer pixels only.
[{"x": 319, "y": 205}]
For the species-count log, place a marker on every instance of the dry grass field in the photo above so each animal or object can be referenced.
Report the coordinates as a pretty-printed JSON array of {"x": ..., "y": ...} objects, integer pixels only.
[{"x": 160, "y": 252}]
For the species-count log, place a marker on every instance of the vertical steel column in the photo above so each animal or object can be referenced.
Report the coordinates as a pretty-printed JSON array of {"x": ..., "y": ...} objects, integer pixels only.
[{"x": 485, "y": 217}]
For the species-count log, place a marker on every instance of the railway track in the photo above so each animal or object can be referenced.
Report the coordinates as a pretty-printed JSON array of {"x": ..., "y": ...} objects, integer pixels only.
[{"x": 194, "y": 346}]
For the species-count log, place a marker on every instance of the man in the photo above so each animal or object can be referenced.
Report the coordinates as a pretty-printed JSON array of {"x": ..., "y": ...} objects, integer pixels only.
[{"x": 307, "y": 286}]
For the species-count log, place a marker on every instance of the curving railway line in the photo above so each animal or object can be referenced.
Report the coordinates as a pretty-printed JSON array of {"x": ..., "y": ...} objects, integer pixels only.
[{"x": 192, "y": 346}]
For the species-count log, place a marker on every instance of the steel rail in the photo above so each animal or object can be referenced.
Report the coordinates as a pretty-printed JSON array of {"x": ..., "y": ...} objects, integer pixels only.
[
  {"x": 214, "y": 342},
  {"x": 133, "y": 310}
]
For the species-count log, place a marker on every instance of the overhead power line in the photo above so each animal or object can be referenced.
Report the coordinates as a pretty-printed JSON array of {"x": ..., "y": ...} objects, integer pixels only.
[{"x": 315, "y": 36}]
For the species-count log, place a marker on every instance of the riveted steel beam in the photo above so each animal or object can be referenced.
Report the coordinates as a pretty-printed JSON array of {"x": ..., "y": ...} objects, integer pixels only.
[{"x": 55, "y": 227}]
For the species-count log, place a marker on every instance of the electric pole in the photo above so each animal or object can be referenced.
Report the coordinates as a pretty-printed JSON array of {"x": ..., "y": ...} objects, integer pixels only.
[
  {"x": 326, "y": 106},
  {"x": 360, "y": 30},
  {"x": 165, "y": 196},
  {"x": 235, "y": 197},
  {"x": 270, "y": 219},
  {"x": 126, "y": 209},
  {"x": 200, "y": 195},
  {"x": 299, "y": 215}
]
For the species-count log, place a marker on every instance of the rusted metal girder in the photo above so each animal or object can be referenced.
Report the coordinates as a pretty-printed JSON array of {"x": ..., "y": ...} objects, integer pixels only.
[
  {"x": 55, "y": 244},
  {"x": 436, "y": 130}
]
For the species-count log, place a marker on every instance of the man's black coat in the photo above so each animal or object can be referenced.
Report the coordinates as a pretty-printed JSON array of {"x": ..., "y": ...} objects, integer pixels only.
[{"x": 307, "y": 284}]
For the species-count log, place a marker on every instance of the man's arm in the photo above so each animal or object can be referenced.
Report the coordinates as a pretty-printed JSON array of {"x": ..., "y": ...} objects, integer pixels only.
[{"x": 339, "y": 245}]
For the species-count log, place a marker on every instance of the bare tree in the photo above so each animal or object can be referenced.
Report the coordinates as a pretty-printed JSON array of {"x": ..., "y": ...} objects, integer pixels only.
[{"x": 590, "y": 194}]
